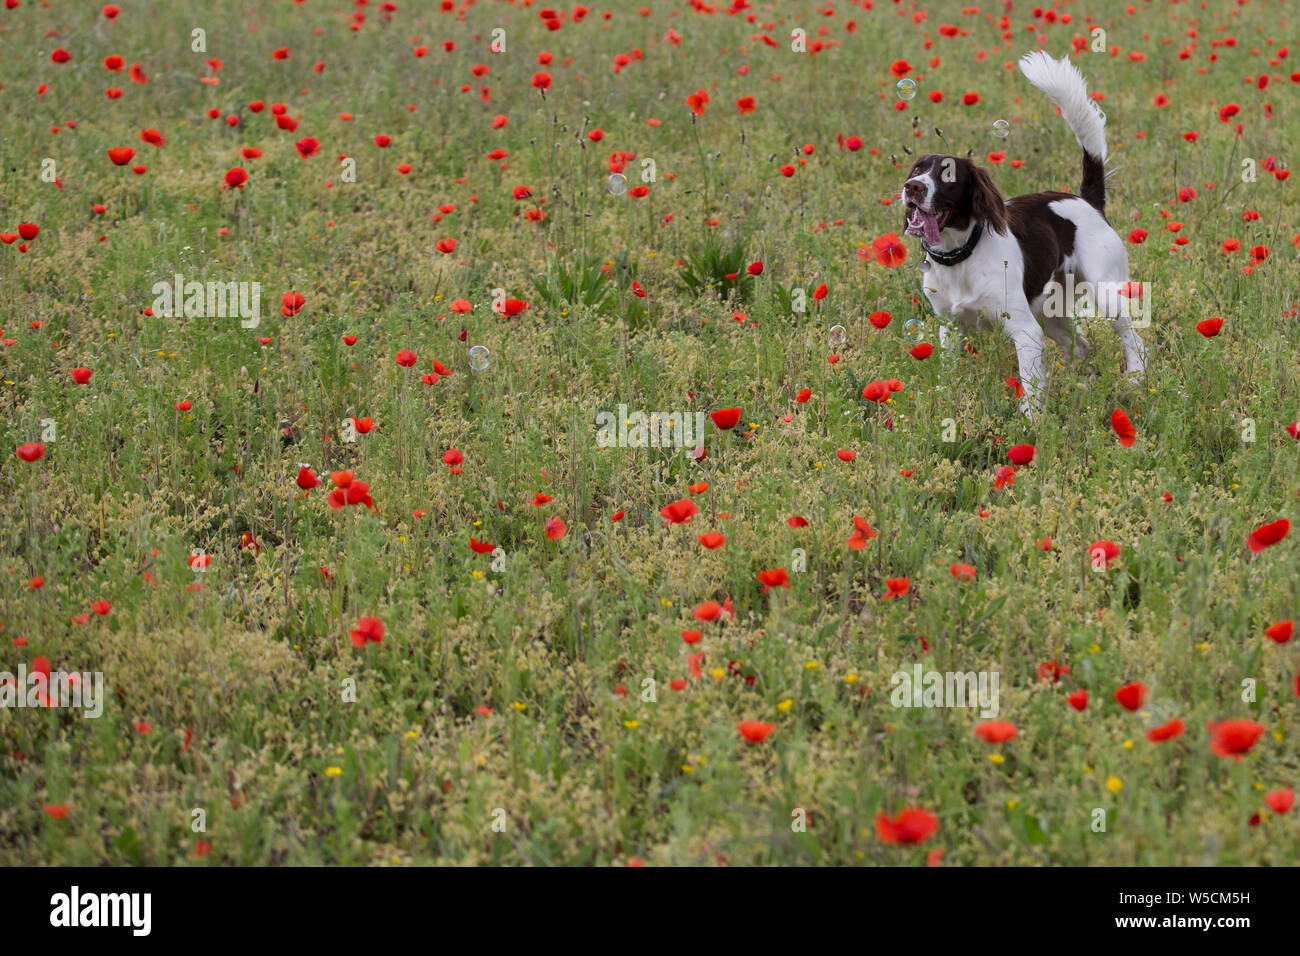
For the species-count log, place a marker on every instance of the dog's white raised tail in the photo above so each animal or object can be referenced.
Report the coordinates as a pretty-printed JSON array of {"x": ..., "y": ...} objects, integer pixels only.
[{"x": 1068, "y": 90}]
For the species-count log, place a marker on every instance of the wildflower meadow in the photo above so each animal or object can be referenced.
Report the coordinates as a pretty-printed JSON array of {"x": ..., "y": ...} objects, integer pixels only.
[{"x": 492, "y": 433}]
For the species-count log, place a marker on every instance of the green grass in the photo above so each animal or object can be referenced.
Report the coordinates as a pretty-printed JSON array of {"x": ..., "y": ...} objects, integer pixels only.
[{"x": 305, "y": 750}]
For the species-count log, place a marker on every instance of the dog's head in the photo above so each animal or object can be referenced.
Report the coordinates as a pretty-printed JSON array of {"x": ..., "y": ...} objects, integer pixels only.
[{"x": 949, "y": 192}]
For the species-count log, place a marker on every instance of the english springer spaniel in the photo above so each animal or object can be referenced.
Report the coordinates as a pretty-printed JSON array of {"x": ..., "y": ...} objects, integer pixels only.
[{"x": 998, "y": 263}]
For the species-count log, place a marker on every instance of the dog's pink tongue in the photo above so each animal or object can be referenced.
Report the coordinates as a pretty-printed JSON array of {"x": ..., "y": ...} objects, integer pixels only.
[{"x": 930, "y": 226}]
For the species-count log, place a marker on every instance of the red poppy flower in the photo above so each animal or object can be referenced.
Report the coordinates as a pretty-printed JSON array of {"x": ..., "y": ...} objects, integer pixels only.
[
  {"x": 369, "y": 630},
  {"x": 726, "y": 418},
  {"x": 32, "y": 450},
  {"x": 876, "y": 392},
  {"x": 897, "y": 587},
  {"x": 880, "y": 319},
  {"x": 121, "y": 155},
  {"x": 56, "y": 810},
  {"x": 996, "y": 731},
  {"x": 307, "y": 146},
  {"x": 774, "y": 578},
  {"x": 452, "y": 458},
  {"x": 512, "y": 307},
  {"x": 962, "y": 572},
  {"x": 358, "y": 493},
  {"x": 1106, "y": 551},
  {"x": 1233, "y": 738},
  {"x": 679, "y": 512},
  {"x": 697, "y": 101},
  {"x": 889, "y": 250},
  {"x": 1280, "y": 801},
  {"x": 406, "y": 358},
  {"x": 235, "y": 178},
  {"x": 1281, "y": 631},
  {"x": 1132, "y": 695},
  {"x": 307, "y": 479},
  {"x": 913, "y": 825},
  {"x": 1209, "y": 327},
  {"x": 708, "y": 611},
  {"x": 556, "y": 529},
  {"x": 1165, "y": 732},
  {"x": 1021, "y": 455},
  {"x": 291, "y": 303},
  {"x": 1052, "y": 671},
  {"x": 81, "y": 375},
  {"x": 1079, "y": 699},
  {"x": 1119, "y": 421},
  {"x": 861, "y": 533},
  {"x": 755, "y": 731},
  {"x": 1267, "y": 535},
  {"x": 713, "y": 539}
]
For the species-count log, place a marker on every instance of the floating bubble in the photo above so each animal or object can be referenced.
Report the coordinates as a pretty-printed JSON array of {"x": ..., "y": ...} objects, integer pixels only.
[
  {"x": 479, "y": 357},
  {"x": 914, "y": 330},
  {"x": 906, "y": 88},
  {"x": 838, "y": 334},
  {"x": 1001, "y": 129},
  {"x": 617, "y": 184}
]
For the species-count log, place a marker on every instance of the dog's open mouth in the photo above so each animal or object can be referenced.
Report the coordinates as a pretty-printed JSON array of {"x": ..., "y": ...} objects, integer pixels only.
[{"x": 927, "y": 224}]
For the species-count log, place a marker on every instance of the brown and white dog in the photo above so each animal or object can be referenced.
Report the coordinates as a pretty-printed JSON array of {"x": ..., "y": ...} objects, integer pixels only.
[{"x": 992, "y": 262}]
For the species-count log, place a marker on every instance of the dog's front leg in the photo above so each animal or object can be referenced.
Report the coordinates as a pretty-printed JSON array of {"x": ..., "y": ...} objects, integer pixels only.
[
  {"x": 1027, "y": 335},
  {"x": 946, "y": 338}
]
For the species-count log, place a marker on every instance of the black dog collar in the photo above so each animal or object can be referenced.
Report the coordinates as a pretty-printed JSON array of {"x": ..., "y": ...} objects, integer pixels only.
[{"x": 956, "y": 255}]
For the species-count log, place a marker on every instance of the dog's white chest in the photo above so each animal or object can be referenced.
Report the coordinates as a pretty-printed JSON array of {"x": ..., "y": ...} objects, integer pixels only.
[{"x": 972, "y": 290}]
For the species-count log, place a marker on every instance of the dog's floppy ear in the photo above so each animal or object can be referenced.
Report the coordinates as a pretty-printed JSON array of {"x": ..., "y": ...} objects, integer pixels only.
[{"x": 986, "y": 202}]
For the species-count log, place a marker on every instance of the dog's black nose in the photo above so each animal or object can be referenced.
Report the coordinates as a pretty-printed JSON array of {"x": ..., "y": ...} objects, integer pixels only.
[{"x": 914, "y": 191}]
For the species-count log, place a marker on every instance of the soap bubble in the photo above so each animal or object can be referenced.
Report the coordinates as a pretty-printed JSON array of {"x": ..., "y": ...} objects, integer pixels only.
[
  {"x": 479, "y": 357},
  {"x": 617, "y": 184},
  {"x": 1001, "y": 129},
  {"x": 914, "y": 330},
  {"x": 906, "y": 88},
  {"x": 838, "y": 334}
]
